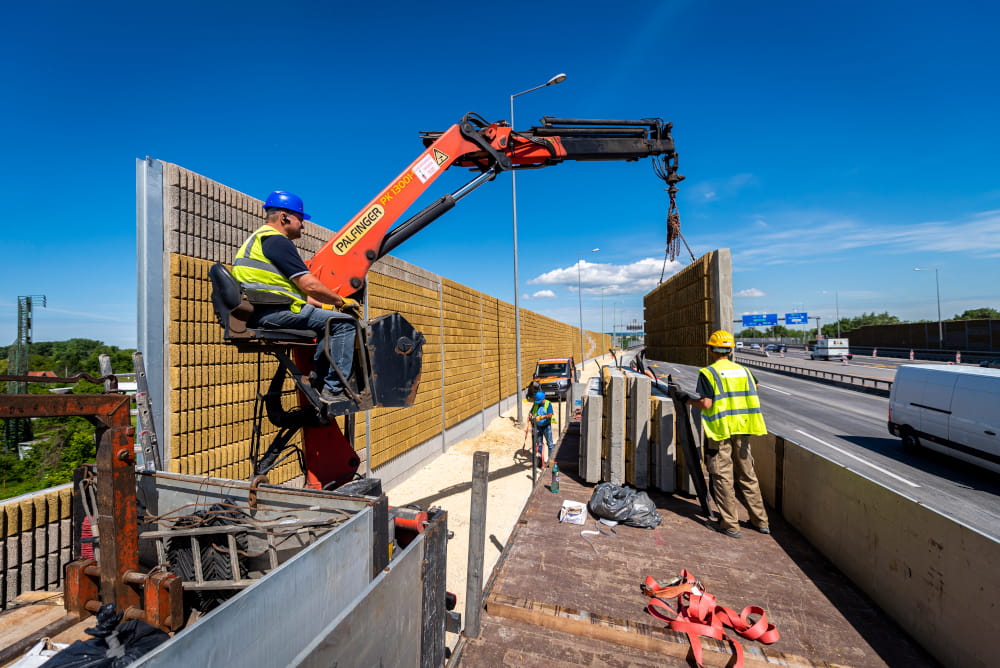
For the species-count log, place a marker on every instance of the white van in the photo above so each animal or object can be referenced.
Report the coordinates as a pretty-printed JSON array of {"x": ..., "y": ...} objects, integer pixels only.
[{"x": 951, "y": 409}]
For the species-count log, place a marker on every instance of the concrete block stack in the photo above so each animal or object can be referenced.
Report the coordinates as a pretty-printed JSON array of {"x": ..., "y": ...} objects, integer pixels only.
[
  {"x": 637, "y": 431},
  {"x": 613, "y": 443}
]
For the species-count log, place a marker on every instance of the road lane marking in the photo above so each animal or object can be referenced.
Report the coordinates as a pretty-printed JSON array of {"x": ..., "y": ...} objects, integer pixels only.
[
  {"x": 852, "y": 456},
  {"x": 773, "y": 389}
]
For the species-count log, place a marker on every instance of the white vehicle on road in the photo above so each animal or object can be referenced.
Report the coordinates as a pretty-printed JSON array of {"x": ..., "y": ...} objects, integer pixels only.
[
  {"x": 831, "y": 349},
  {"x": 951, "y": 409}
]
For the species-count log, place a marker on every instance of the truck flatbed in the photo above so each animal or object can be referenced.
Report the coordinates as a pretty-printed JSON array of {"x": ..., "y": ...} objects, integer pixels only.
[{"x": 555, "y": 601}]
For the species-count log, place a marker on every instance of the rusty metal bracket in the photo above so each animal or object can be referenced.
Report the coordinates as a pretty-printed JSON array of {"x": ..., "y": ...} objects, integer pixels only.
[{"x": 117, "y": 574}]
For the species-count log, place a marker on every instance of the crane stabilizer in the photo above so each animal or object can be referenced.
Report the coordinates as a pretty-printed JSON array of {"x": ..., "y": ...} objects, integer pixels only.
[{"x": 344, "y": 260}]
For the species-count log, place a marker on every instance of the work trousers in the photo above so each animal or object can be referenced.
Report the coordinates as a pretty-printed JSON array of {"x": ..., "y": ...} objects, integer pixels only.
[
  {"x": 544, "y": 434},
  {"x": 341, "y": 339},
  {"x": 722, "y": 459}
]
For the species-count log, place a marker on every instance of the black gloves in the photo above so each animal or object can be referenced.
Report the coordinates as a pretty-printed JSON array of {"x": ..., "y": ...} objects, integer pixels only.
[{"x": 674, "y": 391}]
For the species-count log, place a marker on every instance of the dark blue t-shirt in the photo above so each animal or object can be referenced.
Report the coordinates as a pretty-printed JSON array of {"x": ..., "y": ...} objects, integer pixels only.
[{"x": 283, "y": 254}]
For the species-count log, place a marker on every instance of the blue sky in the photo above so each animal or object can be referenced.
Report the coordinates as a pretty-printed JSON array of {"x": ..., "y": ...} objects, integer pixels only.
[{"x": 832, "y": 147}]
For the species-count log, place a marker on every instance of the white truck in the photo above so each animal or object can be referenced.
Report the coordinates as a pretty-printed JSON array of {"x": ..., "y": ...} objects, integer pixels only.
[{"x": 831, "y": 349}]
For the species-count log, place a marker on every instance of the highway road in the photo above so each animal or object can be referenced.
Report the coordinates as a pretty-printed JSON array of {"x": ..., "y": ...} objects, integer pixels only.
[{"x": 849, "y": 427}]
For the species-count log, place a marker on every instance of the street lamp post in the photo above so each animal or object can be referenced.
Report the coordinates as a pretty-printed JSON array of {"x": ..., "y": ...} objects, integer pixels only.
[
  {"x": 559, "y": 78},
  {"x": 614, "y": 324},
  {"x": 837, "y": 297},
  {"x": 602, "y": 316},
  {"x": 579, "y": 294},
  {"x": 937, "y": 286}
]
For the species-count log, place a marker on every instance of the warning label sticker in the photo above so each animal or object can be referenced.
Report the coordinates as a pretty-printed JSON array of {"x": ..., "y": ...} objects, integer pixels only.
[
  {"x": 426, "y": 168},
  {"x": 440, "y": 157}
]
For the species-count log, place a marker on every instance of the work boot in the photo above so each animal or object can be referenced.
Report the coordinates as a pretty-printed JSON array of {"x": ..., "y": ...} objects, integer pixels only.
[
  {"x": 732, "y": 533},
  {"x": 328, "y": 396}
]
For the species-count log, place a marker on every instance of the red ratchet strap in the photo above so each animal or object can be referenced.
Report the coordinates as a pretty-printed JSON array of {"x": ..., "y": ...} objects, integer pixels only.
[{"x": 698, "y": 614}]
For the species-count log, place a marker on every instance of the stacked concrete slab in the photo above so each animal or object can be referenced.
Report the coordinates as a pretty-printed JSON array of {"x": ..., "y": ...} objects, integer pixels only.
[
  {"x": 628, "y": 434},
  {"x": 203, "y": 390}
]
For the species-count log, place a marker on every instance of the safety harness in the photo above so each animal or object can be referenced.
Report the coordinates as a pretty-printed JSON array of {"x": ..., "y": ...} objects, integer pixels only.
[{"x": 697, "y": 614}]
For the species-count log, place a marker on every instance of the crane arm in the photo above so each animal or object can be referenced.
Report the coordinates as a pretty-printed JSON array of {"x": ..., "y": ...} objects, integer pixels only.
[{"x": 344, "y": 260}]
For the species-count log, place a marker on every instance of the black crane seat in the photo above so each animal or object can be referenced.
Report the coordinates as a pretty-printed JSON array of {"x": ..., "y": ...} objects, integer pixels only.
[{"x": 234, "y": 308}]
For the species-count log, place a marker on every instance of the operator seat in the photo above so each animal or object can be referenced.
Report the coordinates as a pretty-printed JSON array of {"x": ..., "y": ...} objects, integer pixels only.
[{"x": 234, "y": 309}]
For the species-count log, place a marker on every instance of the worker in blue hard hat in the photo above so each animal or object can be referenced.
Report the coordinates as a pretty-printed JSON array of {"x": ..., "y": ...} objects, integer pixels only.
[
  {"x": 542, "y": 416},
  {"x": 270, "y": 262}
]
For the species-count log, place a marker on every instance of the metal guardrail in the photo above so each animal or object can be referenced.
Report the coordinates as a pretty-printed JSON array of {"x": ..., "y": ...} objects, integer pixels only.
[{"x": 861, "y": 383}]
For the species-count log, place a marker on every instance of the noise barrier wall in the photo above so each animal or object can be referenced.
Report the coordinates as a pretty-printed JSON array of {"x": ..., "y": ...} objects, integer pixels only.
[{"x": 203, "y": 390}]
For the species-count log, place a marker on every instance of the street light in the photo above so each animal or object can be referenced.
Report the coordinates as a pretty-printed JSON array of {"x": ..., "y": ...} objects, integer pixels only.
[
  {"x": 579, "y": 294},
  {"x": 602, "y": 316},
  {"x": 937, "y": 285},
  {"x": 837, "y": 297},
  {"x": 559, "y": 78}
]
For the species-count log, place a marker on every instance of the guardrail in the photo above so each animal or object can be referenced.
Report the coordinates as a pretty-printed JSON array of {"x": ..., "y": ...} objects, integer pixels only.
[{"x": 861, "y": 383}]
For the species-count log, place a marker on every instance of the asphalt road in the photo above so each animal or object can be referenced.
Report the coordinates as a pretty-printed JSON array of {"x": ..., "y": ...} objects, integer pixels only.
[{"x": 849, "y": 427}]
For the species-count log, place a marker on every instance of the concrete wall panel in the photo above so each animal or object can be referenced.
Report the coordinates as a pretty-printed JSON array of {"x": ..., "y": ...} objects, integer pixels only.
[{"x": 683, "y": 311}]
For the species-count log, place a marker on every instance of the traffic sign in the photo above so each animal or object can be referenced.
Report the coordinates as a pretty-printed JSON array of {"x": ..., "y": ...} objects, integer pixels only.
[
  {"x": 760, "y": 320},
  {"x": 796, "y": 318}
]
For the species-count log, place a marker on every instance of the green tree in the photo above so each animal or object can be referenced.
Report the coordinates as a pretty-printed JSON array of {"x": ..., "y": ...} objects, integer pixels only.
[
  {"x": 61, "y": 444},
  {"x": 978, "y": 314},
  {"x": 863, "y": 320}
]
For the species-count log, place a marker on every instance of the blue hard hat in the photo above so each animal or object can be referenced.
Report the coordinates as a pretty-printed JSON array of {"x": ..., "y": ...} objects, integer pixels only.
[
  {"x": 539, "y": 397},
  {"x": 280, "y": 199}
]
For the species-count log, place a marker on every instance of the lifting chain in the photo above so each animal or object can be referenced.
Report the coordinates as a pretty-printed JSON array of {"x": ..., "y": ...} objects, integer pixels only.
[{"x": 666, "y": 169}]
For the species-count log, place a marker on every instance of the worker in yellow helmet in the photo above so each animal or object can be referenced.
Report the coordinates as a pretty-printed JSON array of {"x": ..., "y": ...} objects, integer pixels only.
[{"x": 730, "y": 415}]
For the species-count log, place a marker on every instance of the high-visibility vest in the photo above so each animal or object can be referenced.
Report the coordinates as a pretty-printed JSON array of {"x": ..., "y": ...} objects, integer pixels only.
[
  {"x": 252, "y": 268},
  {"x": 735, "y": 406},
  {"x": 542, "y": 411}
]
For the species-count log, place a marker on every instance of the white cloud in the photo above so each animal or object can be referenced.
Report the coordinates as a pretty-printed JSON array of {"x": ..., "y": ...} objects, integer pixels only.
[
  {"x": 716, "y": 189},
  {"x": 640, "y": 276},
  {"x": 821, "y": 233},
  {"x": 544, "y": 294},
  {"x": 750, "y": 292}
]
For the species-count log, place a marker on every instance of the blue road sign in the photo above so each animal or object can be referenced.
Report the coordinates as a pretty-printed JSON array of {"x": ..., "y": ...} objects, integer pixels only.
[
  {"x": 796, "y": 318},
  {"x": 760, "y": 320}
]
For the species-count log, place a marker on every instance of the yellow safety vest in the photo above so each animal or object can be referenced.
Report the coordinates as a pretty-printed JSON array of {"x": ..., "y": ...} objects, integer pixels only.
[
  {"x": 252, "y": 268},
  {"x": 735, "y": 406},
  {"x": 547, "y": 418}
]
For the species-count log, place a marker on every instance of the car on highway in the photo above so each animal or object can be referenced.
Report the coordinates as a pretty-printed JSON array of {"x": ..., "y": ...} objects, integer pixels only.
[
  {"x": 739, "y": 345},
  {"x": 991, "y": 364},
  {"x": 754, "y": 346},
  {"x": 771, "y": 348}
]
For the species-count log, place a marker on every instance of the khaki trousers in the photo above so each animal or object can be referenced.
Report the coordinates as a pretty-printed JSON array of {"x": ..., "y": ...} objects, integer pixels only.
[{"x": 721, "y": 459}]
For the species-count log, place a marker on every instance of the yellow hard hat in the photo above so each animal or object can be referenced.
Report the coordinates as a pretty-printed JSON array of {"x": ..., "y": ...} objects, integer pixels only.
[{"x": 721, "y": 339}]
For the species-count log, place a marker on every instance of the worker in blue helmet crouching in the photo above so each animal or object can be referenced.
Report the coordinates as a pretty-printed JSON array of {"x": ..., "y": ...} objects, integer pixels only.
[{"x": 542, "y": 417}]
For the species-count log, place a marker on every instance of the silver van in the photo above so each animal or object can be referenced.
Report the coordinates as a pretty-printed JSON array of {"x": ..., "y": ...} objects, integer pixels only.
[{"x": 951, "y": 409}]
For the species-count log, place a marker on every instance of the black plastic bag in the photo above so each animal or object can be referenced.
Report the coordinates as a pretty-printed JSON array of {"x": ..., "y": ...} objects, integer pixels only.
[
  {"x": 624, "y": 505},
  {"x": 644, "y": 514},
  {"x": 611, "y": 502},
  {"x": 112, "y": 646}
]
